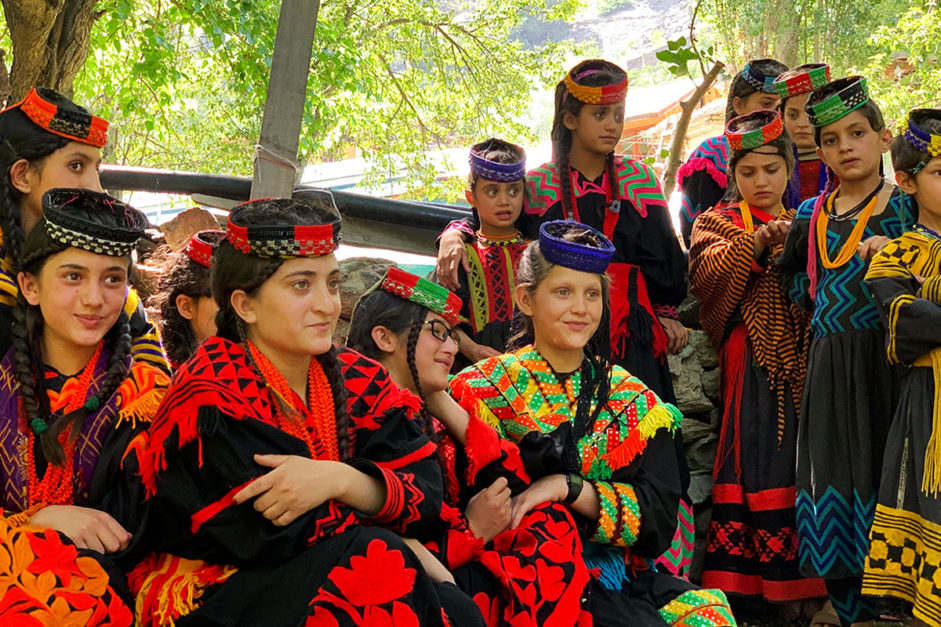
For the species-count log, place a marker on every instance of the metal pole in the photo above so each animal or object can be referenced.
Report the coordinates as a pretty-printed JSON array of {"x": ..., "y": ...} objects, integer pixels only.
[{"x": 276, "y": 154}]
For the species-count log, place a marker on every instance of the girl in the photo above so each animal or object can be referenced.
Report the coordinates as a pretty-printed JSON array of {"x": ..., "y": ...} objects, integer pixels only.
[
  {"x": 71, "y": 401},
  {"x": 495, "y": 193},
  {"x": 905, "y": 542},
  {"x": 850, "y": 392},
  {"x": 590, "y": 435},
  {"x": 809, "y": 177},
  {"x": 187, "y": 309},
  {"x": 47, "y": 141},
  {"x": 408, "y": 324},
  {"x": 762, "y": 338},
  {"x": 703, "y": 178},
  {"x": 280, "y": 465}
]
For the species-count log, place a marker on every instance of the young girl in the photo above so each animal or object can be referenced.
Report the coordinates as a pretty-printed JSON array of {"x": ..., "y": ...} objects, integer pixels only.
[
  {"x": 280, "y": 470},
  {"x": 408, "y": 324},
  {"x": 71, "y": 401},
  {"x": 809, "y": 176},
  {"x": 47, "y": 141},
  {"x": 762, "y": 339},
  {"x": 850, "y": 393},
  {"x": 590, "y": 435},
  {"x": 703, "y": 178},
  {"x": 905, "y": 277},
  {"x": 187, "y": 309},
  {"x": 495, "y": 193}
]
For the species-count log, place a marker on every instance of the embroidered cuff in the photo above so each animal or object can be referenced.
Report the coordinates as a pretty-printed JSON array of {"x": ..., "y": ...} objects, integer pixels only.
[
  {"x": 619, "y": 519},
  {"x": 21, "y": 519},
  {"x": 665, "y": 311},
  {"x": 931, "y": 289}
]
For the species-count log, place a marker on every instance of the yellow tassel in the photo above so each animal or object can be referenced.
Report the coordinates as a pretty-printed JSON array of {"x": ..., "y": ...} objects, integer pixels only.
[
  {"x": 931, "y": 482},
  {"x": 663, "y": 416},
  {"x": 143, "y": 408}
]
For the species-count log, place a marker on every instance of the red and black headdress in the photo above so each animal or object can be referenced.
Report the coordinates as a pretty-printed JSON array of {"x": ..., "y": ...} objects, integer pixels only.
[
  {"x": 202, "y": 245},
  {"x": 283, "y": 241},
  {"x": 40, "y": 106}
]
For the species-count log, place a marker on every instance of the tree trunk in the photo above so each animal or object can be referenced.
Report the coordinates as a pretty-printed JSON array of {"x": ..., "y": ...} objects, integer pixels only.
[
  {"x": 50, "y": 42},
  {"x": 679, "y": 134}
]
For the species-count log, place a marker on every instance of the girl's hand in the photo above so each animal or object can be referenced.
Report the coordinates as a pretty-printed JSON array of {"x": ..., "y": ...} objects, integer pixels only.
[
  {"x": 477, "y": 352},
  {"x": 547, "y": 489},
  {"x": 87, "y": 528},
  {"x": 295, "y": 486},
  {"x": 677, "y": 334},
  {"x": 433, "y": 567},
  {"x": 451, "y": 253},
  {"x": 488, "y": 511},
  {"x": 774, "y": 232},
  {"x": 869, "y": 247}
]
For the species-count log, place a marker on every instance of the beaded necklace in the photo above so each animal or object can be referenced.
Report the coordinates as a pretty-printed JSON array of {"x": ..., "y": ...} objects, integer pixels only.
[
  {"x": 317, "y": 427},
  {"x": 849, "y": 248},
  {"x": 55, "y": 487},
  {"x": 515, "y": 238},
  {"x": 612, "y": 207}
]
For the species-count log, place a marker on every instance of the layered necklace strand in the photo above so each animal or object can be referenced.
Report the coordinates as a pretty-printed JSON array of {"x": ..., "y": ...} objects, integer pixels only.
[
  {"x": 55, "y": 487},
  {"x": 856, "y": 235},
  {"x": 317, "y": 425}
]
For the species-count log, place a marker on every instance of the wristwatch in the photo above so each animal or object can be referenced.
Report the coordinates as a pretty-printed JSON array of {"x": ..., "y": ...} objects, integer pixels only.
[{"x": 573, "y": 482}]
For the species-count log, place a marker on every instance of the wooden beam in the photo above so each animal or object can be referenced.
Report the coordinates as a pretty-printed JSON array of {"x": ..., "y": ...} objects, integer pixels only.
[{"x": 275, "y": 162}]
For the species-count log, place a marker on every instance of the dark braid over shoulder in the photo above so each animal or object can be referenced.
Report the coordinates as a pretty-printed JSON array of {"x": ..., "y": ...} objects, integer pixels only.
[
  {"x": 13, "y": 236},
  {"x": 613, "y": 178},
  {"x": 413, "y": 333},
  {"x": 27, "y": 323},
  {"x": 331, "y": 367}
]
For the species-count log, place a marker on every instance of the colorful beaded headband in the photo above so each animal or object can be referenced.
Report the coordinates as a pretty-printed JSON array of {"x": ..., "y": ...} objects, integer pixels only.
[
  {"x": 809, "y": 78},
  {"x": 852, "y": 93},
  {"x": 581, "y": 257},
  {"x": 761, "y": 82},
  {"x": 493, "y": 171},
  {"x": 92, "y": 221},
  {"x": 202, "y": 245},
  {"x": 281, "y": 241},
  {"x": 920, "y": 139},
  {"x": 771, "y": 128},
  {"x": 604, "y": 95},
  {"x": 422, "y": 291},
  {"x": 75, "y": 125}
]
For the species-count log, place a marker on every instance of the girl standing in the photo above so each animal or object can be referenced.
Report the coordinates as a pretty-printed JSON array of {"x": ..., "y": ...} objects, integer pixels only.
[
  {"x": 590, "y": 435},
  {"x": 762, "y": 339},
  {"x": 72, "y": 399}
]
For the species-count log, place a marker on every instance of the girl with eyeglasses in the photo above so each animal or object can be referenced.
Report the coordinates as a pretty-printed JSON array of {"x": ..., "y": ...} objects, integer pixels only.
[{"x": 409, "y": 325}]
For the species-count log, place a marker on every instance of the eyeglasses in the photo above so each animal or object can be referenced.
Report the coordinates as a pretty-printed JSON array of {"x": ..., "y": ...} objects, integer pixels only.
[{"x": 441, "y": 331}]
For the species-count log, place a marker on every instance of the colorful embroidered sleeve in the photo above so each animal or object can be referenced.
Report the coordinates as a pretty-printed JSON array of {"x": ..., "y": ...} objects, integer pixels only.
[
  {"x": 463, "y": 226},
  {"x": 145, "y": 343},
  {"x": 702, "y": 181},
  {"x": 721, "y": 263},
  {"x": 913, "y": 323},
  {"x": 792, "y": 263}
]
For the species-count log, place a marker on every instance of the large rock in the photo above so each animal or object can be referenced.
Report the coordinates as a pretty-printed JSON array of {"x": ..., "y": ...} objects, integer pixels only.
[
  {"x": 687, "y": 383},
  {"x": 359, "y": 274}
]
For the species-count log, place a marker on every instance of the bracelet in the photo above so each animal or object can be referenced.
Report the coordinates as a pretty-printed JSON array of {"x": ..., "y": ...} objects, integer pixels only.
[
  {"x": 574, "y": 484},
  {"x": 22, "y": 518}
]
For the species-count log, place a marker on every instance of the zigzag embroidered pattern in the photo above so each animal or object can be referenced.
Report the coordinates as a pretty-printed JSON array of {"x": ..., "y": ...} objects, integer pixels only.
[{"x": 833, "y": 530}]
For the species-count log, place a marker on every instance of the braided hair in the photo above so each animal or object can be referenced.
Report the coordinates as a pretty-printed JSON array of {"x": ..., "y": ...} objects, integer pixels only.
[
  {"x": 533, "y": 269},
  {"x": 28, "y": 356},
  {"x": 233, "y": 270},
  {"x": 591, "y": 73},
  {"x": 21, "y": 138},
  {"x": 382, "y": 309}
]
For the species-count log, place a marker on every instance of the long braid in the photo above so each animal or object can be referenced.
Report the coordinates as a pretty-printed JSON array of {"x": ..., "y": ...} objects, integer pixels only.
[
  {"x": 26, "y": 324},
  {"x": 331, "y": 367},
  {"x": 410, "y": 345},
  {"x": 118, "y": 367},
  {"x": 10, "y": 210},
  {"x": 612, "y": 178}
]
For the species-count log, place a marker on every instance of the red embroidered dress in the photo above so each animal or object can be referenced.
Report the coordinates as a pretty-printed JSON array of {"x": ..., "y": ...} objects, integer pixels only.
[
  {"x": 221, "y": 562},
  {"x": 45, "y": 578}
]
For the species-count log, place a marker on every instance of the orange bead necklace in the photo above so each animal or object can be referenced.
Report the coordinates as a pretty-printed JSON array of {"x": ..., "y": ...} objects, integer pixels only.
[{"x": 317, "y": 424}]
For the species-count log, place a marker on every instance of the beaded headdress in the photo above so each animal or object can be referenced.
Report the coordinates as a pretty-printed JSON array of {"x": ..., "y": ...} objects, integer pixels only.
[
  {"x": 92, "y": 221},
  {"x": 771, "y": 127},
  {"x": 423, "y": 292},
  {"x": 920, "y": 139},
  {"x": 202, "y": 245},
  {"x": 582, "y": 257},
  {"x": 282, "y": 241},
  {"x": 491, "y": 170},
  {"x": 851, "y": 93},
  {"x": 760, "y": 81},
  {"x": 802, "y": 80},
  {"x": 602, "y": 95},
  {"x": 72, "y": 124}
]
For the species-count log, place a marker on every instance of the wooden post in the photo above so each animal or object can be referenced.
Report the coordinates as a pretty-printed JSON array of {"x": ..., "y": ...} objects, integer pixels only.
[{"x": 275, "y": 158}]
